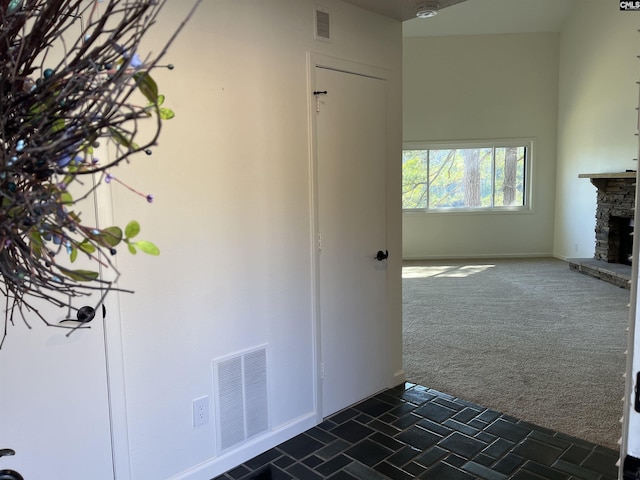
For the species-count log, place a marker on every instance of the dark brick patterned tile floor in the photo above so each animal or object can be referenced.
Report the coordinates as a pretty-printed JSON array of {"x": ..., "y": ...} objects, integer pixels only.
[{"x": 413, "y": 432}]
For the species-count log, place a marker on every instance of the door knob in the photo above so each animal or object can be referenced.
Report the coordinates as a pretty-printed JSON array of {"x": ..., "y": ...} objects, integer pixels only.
[
  {"x": 86, "y": 314},
  {"x": 83, "y": 315},
  {"x": 9, "y": 474},
  {"x": 382, "y": 255}
]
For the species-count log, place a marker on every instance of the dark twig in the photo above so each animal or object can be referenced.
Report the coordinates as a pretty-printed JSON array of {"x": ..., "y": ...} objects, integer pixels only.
[{"x": 72, "y": 80}]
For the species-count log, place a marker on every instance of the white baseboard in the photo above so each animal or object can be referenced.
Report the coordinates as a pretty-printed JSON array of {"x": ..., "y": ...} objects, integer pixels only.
[
  {"x": 478, "y": 256},
  {"x": 218, "y": 465},
  {"x": 563, "y": 258},
  {"x": 399, "y": 377}
]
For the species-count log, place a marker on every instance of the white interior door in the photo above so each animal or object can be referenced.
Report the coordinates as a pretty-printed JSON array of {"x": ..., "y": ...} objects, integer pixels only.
[
  {"x": 54, "y": 404},
  {"x": 351, "y": 165}
]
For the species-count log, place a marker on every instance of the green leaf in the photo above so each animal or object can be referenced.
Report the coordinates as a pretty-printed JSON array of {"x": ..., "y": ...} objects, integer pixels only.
[
  {"x": 166, "y": 113},
  {"x": 74, "y": 216},
  {"x": 131, "y": 248},
  {"x": 108, "y": 237},
  {"x": 37, "y": 108},
  {"x": 160, "y": 100},
  {"x": 36, "y": 238},
  {"x": 132, "y": 229},
  {"x": 119, "y": 137},
  {"x": 147, "y": 247},
  {"x": 111, "y": 236},
  {"x": 80, "y": 275},
  {"x": 73, "y": 255},
  {"x": 36, "y": 243},
  {"x": 66, "y": 198},
  {"x": 58, "y": 125},
  {"x": 87, "y": 247},
  {"x": 147, "y": 86}
]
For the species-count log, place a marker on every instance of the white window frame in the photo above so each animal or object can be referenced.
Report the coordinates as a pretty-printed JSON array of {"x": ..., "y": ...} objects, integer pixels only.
[{"x": 527, "y": 142}]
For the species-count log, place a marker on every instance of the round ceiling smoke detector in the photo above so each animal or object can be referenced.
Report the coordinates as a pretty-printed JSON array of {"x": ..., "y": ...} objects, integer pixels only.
[{"x": 427, "y": 9}]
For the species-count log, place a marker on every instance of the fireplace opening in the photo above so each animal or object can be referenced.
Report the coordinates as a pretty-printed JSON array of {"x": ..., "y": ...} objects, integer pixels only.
[{"x": 620, "y": 240}]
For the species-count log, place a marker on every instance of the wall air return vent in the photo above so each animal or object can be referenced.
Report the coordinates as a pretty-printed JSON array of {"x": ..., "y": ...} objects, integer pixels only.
[
  {"x": 323, "y": 24},
  {"x": 241, "y": 397}
]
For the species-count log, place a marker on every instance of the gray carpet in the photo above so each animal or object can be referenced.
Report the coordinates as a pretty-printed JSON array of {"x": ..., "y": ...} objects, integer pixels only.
[{"x": 526, "y": 337}]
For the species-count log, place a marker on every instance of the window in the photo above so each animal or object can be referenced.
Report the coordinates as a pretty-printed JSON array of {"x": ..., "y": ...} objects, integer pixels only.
[{"x": 483, "y": 176}]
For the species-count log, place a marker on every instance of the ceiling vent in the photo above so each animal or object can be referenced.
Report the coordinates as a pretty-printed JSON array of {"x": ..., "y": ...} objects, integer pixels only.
[{"x": 323, "y": 24}]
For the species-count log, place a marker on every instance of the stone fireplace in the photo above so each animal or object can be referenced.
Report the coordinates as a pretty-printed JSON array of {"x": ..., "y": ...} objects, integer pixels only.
[
  {"x": 614, "y": 227},
  {"x": 614, "y": 215}
]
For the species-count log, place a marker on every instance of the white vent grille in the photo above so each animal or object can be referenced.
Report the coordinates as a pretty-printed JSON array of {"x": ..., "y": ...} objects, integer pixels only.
[
  {"x": 323, "y": 24},
  {"x": 241, "y": 397}
]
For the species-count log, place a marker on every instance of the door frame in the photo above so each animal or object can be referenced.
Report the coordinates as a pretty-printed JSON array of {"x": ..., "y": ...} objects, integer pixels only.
[
  {"x": 630, "y": 439},
  {"x": 315, "y": 60},
  {"x": 114, "y": 351},
  {"x": 114, "y": 356}
]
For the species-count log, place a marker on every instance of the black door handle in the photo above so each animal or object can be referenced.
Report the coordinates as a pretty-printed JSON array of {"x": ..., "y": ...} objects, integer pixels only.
[
  {"x": 636, "y": 403},
  {"x": 382, "y": 255},
  {"x": 86, "y": 314},
  {"x": 6, "y": 452},
  {"x": 9, "y": 474},
  {"x": 83, "y": 315}
]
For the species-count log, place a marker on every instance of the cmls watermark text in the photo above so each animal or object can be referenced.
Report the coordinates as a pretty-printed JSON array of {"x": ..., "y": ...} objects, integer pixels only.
[{"x": 628, "y": 5}]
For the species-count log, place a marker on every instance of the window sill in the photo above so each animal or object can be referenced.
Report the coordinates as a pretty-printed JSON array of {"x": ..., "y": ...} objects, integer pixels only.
[{"x": 469, "y": 211}]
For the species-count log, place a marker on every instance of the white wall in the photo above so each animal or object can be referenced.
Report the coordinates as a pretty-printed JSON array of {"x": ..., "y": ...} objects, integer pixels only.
[
  {"x": 477, "y": 87},
  {"x": 597, "y": 117},
  {"x": 232, "y": 217}
]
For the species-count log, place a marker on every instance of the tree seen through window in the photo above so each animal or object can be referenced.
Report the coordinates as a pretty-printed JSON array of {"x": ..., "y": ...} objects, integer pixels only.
[{"x": 479, "y": 177}]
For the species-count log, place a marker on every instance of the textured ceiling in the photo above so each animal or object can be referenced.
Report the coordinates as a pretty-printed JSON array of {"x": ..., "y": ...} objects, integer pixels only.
[
  {"x": 397, "y": 9},
  {"x": 460, "y": 17}
]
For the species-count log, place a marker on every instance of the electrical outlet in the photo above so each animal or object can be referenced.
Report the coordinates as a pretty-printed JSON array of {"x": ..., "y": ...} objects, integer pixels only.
[{"x": 200, "y": 411}]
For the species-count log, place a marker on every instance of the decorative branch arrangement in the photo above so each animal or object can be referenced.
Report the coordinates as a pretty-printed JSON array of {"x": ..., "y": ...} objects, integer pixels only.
[{"x": 72, "y": 83}]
